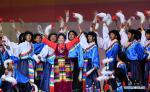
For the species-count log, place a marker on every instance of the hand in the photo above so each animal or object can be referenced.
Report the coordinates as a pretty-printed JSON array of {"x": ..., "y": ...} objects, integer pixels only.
[
  {"x": 1, "y": 28},
  {"x": 67, "y": 16},
  {"x": 67, "y": 13},
  {"x": 13, "y": 25},
  {"x": 1, "y": 34},
  {"x": 39, "y": 27}
]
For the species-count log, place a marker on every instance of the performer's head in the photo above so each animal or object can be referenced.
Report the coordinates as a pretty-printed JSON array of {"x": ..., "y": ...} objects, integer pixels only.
[
  {"x": 1, "y": 41},
  {"x": 139, "y": 29},
  {"x": 147, "y": 34},
  {"x": 131, "y": 34},
  {"x": 21, "y": 38},
  {"x": 61, "y": 38},
  {"x": 121, "y": 56},
  {"x": 114, "y": 34},
  {"x": 52, "y": 37},
  {"x": 28, "y": 36},
  {"x": 138, "y": 34},
  {"x": 71, "y": 35},
  {"x": 91, "y": 37},
  {"x": 37, "y": 38}
]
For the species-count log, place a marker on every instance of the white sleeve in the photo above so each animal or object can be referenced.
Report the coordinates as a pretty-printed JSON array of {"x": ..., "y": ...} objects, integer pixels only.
[
  {"x": 67, "y": 38},
  {"x": 124, "y": 37},
  {"x": 44, "y": 52},
  {"x": 143, "y": 38},
  {"x": 13, "y": 47},
  {"x": 18, "y": 34},
  {"x": 83, "y": 41},
  {"x": 106, "y": 38},
  {"x": 100, "y": 41}
]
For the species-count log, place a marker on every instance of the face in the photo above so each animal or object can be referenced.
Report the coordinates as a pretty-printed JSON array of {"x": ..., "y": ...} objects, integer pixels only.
[
  {"x": 90, "y": 38},
  {"x": 71, "y": 36},
  {"x": 118, "y": 58},
  {"x": 1, "y": 41},
  {"x": 61, "y": 39},
  {"x": 147, "y": 36},
  {"x": 53, "y": 38},
  {"x": 112, "y": 36},
  {"x": 129, "y": 35},
  {"x": 28, "y": 37},
  {"x": 38, "y": 39}
]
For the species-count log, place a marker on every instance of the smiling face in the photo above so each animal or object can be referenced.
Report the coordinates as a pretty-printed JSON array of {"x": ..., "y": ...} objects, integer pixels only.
[
  {"x": 112, "y": 36},
  {"x": 90, "y": 38},
  {"x": 71, "y": 36},
  {"x": 147, "y": 36},
  {"x": 53, "y": 38},
  {"x": 130, "y": 36},
  {"x": 38, "y": 39},
  {"x": 61, "y": 39},
  {"x": 28, "y": 37}
]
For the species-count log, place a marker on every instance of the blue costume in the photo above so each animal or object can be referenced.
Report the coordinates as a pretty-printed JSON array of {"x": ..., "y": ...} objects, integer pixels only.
[
  {"x": 48, "y": 56},
  {"x": 147, "y": 66},
  {"x": 76, "y": 55},
  {"x": 77, "y": 52},
  {"x": 39, "y": 67},
  {"x": 38, "y": 47},
  {"x": 123, "y": 67},
  {"x": 92, "y": 60},
  {"x": 112, "y": 52},
  {"x": 135, "y": 54},
  {"x": 3, "y": 56},
  {"x": 122, "y": 71}
]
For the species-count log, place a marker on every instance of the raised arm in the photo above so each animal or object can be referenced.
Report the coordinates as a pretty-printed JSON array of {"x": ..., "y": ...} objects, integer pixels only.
[
  {"x": 124, "y": 37},
  {"x": 16, "y": 29},
  {"x": 49, "y": 43},
  {"x": 143, "y": 37},
  {"x": 106, "y": 38},
  {"x": 70, "y": 44}
]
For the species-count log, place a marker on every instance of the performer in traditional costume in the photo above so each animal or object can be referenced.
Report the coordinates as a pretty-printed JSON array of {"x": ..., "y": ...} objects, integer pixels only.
[
  {"x": 134, "y": 52},
  {"x": 25, "y": 61},
  {"x": 91, "y": 64},
  {"x": 38, "y": 46},
  {"x": 147, "y": 58},
  {"x": 62, "y": 64},
  {"x": 76, "y": 55},
  {"x": 47, "y": 55}
]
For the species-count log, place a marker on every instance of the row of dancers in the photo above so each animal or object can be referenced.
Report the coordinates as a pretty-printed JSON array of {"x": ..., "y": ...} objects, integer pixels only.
[{"x": 67, "y": 61}]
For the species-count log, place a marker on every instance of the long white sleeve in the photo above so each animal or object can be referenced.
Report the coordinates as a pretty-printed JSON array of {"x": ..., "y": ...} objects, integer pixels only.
[
  {"x": 106, "y": 39},
  {"x": 13, "y": 47},
  {"x": 44, "y": 52},
  {"x": 83, "y": 41},
  {"x": 18, "y": 34},
  {"x": 100, "y": 41},
  {"x": 143, "y": 38},
  {"x": 124, "y": 37}
]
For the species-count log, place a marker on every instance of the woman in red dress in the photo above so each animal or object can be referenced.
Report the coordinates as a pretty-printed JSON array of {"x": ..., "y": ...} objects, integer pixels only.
[{"x": 62, "y": 64}]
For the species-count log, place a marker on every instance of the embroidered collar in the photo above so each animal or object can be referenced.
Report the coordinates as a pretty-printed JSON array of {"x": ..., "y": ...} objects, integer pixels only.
[
  {"x": 111, "y": 44},
  {"x": 91, "y": 45}
]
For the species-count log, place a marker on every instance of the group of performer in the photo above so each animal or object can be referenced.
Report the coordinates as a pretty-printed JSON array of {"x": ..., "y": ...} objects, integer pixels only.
[{"x": 69, "y": 62}]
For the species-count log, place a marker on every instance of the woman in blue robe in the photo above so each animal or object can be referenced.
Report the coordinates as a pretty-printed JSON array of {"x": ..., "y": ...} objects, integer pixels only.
[
  {"x": 92, "y": 62},
  {"x": 38, "y": 46},
  {"x": 76, "y": 55},
  {"x": 48, "y": 56},
  {"x": 135, "y": 53},
  {"x": 147, "y": 59}
]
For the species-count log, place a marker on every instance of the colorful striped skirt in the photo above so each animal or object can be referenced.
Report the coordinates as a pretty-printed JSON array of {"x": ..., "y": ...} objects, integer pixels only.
[{"x": 63, "y": 75}]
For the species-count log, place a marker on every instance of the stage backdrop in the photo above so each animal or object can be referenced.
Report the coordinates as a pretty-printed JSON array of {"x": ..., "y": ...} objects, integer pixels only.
[{"x": 49, "y": 10}]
